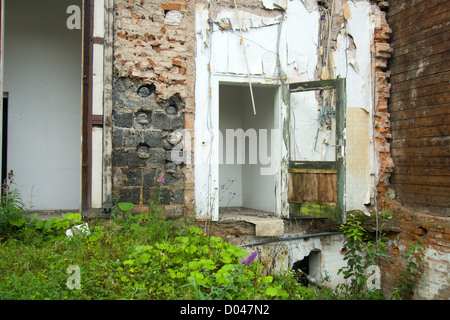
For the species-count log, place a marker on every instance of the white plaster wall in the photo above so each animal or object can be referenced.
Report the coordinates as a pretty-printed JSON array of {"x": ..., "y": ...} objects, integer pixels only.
[
  {"x": 331, "y": 258},
  {"x": 220, "y": 54},
  {"x": 243, "y": 184},
  {"x": 259, "y": 189},
  {"x": 286, "y": 253},
  {"x": 230, "y": 174},
  {"x": 292, "y": 39},
  {"x": 42, "y": 73},
  {"x": 354, "y": 64},
  {"x": 434, "y": 279}
]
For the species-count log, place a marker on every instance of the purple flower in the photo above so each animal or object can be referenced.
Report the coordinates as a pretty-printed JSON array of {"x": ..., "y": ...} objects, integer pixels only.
[
  {"x": 162, "y": 180},
  {"x": 249, "y": 260}
]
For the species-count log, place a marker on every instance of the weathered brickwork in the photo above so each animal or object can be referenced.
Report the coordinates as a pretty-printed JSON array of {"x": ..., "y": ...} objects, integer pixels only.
[
  {"x": 382, "y": 135},
  {"x": 153, "y": 98},
  {"x": 434, "y": 234},
  {"x": 415, "y": 176}
]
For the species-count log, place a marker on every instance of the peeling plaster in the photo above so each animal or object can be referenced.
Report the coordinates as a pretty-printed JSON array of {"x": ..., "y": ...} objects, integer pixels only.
[
  {"x": 283, "y": 48},
  {"x": 352, "y": 60},
  {"x": 310, "y": 5},
  {"x": 274, "y": 4},
  {"x": 247, "y": 20}
]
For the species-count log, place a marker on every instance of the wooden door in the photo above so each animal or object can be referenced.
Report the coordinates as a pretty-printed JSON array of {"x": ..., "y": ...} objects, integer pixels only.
[{"x": 317, "y": 149}]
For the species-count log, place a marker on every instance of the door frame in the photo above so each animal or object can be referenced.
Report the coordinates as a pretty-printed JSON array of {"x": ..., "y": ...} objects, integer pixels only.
[
  {"x": 206, "y": 144},
  {"x": 96, "y": 102},
  {"x": 2, "y": 7},
  {"x": 97, "y": 75},
  {"x": 339, "y": 164}
]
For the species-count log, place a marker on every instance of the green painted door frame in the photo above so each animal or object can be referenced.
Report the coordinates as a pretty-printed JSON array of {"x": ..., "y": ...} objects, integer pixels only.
[{"x": 339, "y": 85}]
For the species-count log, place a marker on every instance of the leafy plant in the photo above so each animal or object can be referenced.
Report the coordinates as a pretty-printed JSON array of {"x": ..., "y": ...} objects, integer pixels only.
[
  {"x": 408, "y": 277},
  {"x": 11, "y": 208},
  {"x": 361, "y": 253},
  {"x": 54, "y": 227},
  {"x": 205, "y": 267}
]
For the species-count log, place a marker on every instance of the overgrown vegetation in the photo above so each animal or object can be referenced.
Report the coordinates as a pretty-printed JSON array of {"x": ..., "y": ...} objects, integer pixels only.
[{"x": 146, "y": 256}]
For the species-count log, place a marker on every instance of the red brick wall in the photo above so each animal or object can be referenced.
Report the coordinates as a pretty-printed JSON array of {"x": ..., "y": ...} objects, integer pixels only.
[
  {"x": 411, "y": 128},
  {"x": 434, "y": 234},
  {"x": 382, "y": 125}
]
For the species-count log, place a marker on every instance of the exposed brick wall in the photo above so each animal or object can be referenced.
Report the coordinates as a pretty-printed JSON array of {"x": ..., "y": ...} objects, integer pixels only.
[
  {"x": 409, "y": 96},
  {"x": 153, "y": 97},
  {"x": 420, "y": 103},
  {"x": 382, "y": 135},
  {"x": 434, "y": 234}
]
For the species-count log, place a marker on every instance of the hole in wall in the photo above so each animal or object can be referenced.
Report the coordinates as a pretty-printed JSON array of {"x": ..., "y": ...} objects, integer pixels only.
[
  {"x": 143, "y": 117},
  {"x": 308, "y": 267},
  {"x": 143, "y": 151},
  {"x": 146, "y": 90},
  {"x": 422, "y": 231},
  {"x": 172, "y": 110}
]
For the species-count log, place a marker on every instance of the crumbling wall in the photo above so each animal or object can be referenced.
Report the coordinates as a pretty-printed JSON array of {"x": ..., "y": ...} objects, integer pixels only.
[
  {"x": 154, "y": 45},
  {"x": 301, "y": 41},
  {"x": 153, "y": 100},
  {"x": 433, "y": 233},
  {"x": 382, "y": 52},
  {"x": 417, "y": 107}
]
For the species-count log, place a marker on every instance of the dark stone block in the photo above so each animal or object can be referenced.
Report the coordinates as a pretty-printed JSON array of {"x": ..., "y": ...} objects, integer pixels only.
[
  {"x": 178, "y": 196},
  {"x": 132, "y": 177},
  {"x": 178, "y": 122},
  {"x": 117, "y": 137},
  {"x": 162, "y": 121},
  {"x": 132, "y": 138},
  {"x": 158, "y": 195},
  {"x": 135, "y": 161},
  {"x": 132, "y": 195},
  {"x": 157, "y": 158},
  {"x": 153, "y": 138},
  {"x": 124, "y": 120},
  {"x": 174, "y": 180},
  {"x": 150, "y": 177},
  {"x": 171, "y": 168},
  {"x": 119, "y": 158},
  {"x": 166, "y": 196}
]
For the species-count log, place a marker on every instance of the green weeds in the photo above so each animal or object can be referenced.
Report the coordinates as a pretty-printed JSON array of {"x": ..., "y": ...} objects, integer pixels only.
[{"x": 146, "y": 256}]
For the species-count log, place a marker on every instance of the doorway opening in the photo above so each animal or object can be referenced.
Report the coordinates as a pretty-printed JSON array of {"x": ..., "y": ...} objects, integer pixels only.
[
  {"x": 42, "y": 75},
  {"x": 248, "y": 150}
]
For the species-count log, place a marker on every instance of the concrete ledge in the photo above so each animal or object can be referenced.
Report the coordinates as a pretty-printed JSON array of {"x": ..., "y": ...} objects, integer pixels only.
[{"x": 264, "y": 226}]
